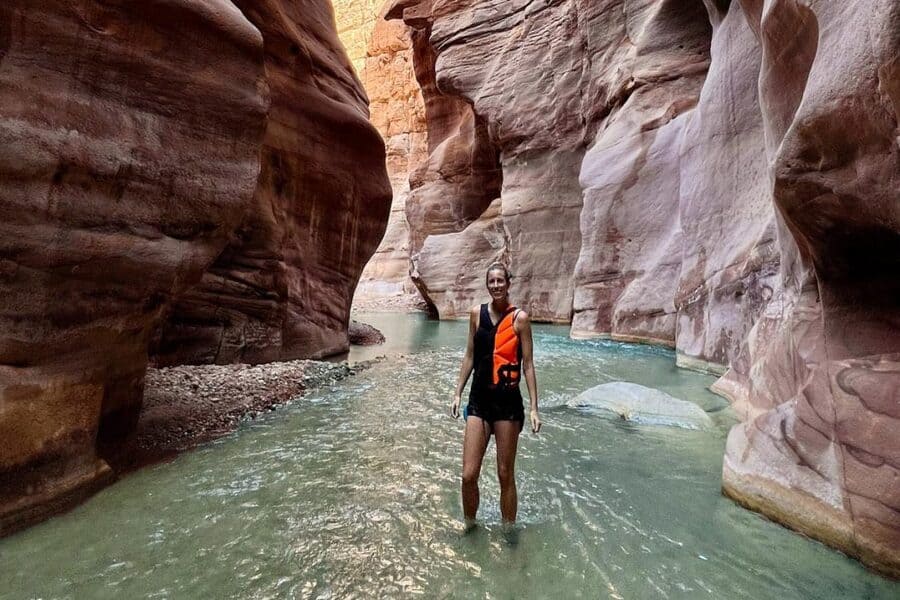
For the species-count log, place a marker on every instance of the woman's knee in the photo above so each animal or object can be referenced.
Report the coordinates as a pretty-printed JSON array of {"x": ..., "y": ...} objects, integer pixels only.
[
  {"x": 507, "y": 475},
  {"x": 470, "y": 476}
]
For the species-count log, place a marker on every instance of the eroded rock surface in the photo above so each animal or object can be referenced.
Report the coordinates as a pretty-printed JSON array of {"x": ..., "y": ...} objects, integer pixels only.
[
  {"x": 124, "y": 166},
  {"x": 363, "y": 334},
  {"x": 739, "y": 173},
  {"x": 143, "y": 142},
  {"x": 630, "y": 257},
  {"x": 819, "y": 380},
  {"x": 282, "y": 288},
  {"x": 729, "y": 257},
  {"x": 356, "y": 21}
]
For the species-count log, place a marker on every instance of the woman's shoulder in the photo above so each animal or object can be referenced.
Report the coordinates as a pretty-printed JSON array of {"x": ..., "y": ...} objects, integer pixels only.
[
  {"x": 522, "y": 319},
  {"x": 475, "y": 314}
]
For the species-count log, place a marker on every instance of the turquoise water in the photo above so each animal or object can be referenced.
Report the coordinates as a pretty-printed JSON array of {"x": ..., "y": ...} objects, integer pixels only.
[{"x": 352, "y": 492}]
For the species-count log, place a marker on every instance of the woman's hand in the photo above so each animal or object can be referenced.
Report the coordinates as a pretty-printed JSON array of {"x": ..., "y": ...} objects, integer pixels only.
[
  {"x": 454, "y": 407},
  {"x": 535, "y": 422}
]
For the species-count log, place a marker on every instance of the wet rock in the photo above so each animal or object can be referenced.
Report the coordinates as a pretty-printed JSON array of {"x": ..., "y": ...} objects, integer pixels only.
[
  {"x": 362, "y": 334},
  {"x": 643, "y": 405}
]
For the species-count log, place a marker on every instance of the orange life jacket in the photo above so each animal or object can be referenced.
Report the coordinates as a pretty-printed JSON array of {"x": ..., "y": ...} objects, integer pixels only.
[{"x": 507, "y": 352}]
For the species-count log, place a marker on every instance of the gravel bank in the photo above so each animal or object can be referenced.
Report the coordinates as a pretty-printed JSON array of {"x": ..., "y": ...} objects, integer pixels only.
[{"x": 188, "y": 405}]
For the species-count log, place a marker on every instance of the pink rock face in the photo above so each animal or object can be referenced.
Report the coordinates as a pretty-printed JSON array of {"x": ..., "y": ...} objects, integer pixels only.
[
  {"x": 129, "y": 150},
  {"x": 630, "y": 257},
  {"x": 486, "y": 114},
  {"x": 282, "y": 288},
  {"x": 452, "y": 188},
  {"x": 740, "y": 201},
  {"x": 819, "y": 379},
  {"x": 730, "y": 256}
]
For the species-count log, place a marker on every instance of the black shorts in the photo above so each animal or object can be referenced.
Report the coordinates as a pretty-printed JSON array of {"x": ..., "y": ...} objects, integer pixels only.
[{"x": 495, "y": 406}]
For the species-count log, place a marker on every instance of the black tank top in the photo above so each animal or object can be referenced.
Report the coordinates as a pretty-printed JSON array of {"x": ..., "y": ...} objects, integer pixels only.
[{"x": 483, "y": 355}]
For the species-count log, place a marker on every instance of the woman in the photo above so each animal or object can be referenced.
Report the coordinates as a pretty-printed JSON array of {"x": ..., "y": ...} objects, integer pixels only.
[{"x": 499, "y": 349}]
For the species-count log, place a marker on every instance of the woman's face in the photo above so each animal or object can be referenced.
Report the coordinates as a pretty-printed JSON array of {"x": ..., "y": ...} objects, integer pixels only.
[{"x": 497, "y": 284}]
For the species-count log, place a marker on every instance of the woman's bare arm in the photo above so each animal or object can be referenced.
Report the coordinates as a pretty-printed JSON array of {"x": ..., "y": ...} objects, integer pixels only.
[
  {"x": 524, "y": 330},
  {"x": 467, "y": 363}
]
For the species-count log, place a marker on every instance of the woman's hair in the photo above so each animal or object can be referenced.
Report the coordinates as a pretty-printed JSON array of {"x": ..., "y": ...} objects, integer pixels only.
[{"x": 498, "y": 267}]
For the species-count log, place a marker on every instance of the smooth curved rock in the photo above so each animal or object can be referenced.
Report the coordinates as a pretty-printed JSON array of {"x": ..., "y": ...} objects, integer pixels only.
[
  {"x": 730, "y": 256},
  {"x": 530, "y": 163},
  {"x": 456, "y": 182},
  {"x": 128, "y": 154},
  {"x": 630, "y": 258},
  {"x": 819, "y": 377},
  {"x": 641, "y": 404},
  {"x": 282, "y": 288},
  {"x": 751, "y": 222}
]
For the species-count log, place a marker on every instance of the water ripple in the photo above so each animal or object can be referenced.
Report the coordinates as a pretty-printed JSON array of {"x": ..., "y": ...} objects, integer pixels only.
[{"x": 354, "y": 493}]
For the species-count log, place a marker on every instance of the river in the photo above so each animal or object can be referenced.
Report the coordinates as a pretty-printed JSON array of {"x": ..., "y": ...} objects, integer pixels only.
[{"x": 353, "y": 492}]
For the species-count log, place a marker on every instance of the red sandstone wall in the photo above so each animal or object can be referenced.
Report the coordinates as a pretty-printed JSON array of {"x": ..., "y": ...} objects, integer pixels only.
[
  {"x": 123, "y": 169},
  {"x": 398, "y": 113},
  {"x": 282, "y": 288},
  {"x": 819, "y": 377},
  {"x": 141, "y": 143}
]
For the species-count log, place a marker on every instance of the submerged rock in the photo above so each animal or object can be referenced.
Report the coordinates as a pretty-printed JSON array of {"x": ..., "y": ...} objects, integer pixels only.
[{"x": 641, "y": 404}]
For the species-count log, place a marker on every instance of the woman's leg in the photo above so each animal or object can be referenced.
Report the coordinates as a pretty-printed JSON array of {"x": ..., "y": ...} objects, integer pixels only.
[
  {"x": 475, "y": 443},
  {"x": 506, "y": 436}
]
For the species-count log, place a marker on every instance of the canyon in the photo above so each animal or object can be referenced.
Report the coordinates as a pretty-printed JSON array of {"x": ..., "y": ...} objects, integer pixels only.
[
  {"x": 382, "y": 54},
  {"x": 181, "y": 182},
  {"x": 205, "y": 182}
]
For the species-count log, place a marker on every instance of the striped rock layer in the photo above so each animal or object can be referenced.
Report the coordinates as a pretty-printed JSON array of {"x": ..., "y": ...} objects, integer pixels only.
[{"x": 200, "y": 162}]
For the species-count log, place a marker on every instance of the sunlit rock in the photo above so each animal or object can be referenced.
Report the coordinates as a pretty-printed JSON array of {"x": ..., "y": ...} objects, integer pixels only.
[{"x": 397, "y": 110}]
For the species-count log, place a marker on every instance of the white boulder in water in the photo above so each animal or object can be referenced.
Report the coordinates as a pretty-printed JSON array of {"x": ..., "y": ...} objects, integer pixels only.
[{"x": 641, "y": 404}]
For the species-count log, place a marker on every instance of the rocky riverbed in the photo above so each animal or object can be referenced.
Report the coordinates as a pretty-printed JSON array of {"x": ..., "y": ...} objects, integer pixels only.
[{"x": 186, "y": 406}]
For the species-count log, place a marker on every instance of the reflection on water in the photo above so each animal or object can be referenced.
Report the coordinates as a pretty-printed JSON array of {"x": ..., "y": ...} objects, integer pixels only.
[{"x": 353, "y": 493}]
